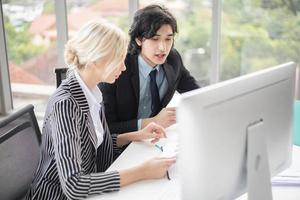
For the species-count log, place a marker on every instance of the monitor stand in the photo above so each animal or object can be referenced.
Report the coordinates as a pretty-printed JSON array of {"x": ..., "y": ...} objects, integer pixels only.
[{"x": 258, "y": 171}]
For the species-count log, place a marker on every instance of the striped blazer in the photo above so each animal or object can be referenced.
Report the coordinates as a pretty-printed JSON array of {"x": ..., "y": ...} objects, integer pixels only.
[{"x": 71, "y": 166}]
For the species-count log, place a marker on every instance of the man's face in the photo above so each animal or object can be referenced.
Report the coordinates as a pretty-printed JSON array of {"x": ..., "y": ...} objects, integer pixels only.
[{"x": 156, "y": 49}]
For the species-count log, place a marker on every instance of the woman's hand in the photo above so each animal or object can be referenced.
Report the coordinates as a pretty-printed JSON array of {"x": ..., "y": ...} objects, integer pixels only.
[
  {"x": 152, "y": 131},
  {"x": 154, "y": 168}
]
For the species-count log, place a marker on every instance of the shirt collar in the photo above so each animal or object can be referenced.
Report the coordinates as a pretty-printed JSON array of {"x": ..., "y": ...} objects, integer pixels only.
[
  {"x": 94, "y": 96},
  {"x": 144, "y": 67}
]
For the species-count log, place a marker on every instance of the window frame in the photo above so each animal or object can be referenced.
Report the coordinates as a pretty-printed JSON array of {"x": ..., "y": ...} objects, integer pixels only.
[{"x": 6, "y": 101}]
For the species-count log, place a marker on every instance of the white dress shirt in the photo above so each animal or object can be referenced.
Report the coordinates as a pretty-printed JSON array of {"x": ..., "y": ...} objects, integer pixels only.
[
  {"x": 145, "y": 101},
  {"x": 94, "y": 99}
]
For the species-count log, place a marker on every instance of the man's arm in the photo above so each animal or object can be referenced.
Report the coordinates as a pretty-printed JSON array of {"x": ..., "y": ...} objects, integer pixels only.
[{"x": 166, "y": 117}]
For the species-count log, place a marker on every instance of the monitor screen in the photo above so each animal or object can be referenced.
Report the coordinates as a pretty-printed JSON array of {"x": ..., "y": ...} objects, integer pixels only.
[{"x": 225, "y": 126}]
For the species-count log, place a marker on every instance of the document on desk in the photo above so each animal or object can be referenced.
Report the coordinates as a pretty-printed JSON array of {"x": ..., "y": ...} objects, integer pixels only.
[
  {"x": 175, "y": 100},
  {"x": 171, "y": 150},
  {"x": 156, "y": 189},
  {"x": 291, "y": 176}
]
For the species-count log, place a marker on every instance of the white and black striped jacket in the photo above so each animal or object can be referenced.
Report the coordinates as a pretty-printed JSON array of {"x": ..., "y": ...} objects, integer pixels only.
[{"x": 71, "y": 167}]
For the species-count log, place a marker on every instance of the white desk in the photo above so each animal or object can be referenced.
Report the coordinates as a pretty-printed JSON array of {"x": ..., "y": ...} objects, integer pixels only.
[{"x": 138, "y": 152}]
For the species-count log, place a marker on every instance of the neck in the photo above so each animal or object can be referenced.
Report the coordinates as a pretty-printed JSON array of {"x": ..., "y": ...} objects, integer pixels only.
[
  {"x": 87, "y": 78},
  {"x": 148, "y": 61}
]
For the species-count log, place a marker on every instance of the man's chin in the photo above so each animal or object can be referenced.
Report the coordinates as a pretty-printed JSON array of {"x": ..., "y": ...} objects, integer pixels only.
[{"x": 160, "y": 61}]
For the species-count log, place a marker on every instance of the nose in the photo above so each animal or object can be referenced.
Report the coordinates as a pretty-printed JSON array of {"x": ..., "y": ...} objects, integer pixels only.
[{"x": 162, "y": 46}]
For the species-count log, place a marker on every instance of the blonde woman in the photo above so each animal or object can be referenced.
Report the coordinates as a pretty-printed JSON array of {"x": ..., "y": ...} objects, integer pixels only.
[{"x": 77, "y": 147}]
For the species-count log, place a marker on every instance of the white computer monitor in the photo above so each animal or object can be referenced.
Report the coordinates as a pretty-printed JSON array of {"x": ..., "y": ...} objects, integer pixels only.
[{"x": 233, "y": 130}]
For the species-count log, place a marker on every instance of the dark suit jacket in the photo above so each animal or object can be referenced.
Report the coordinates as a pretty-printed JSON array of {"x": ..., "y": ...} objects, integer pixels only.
[{"x": 121, "y": 99}]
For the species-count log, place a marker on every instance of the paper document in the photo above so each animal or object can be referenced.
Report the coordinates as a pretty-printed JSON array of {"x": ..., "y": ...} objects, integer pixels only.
[
  {"x": 175, "y": 100},
  {"x": 286, "y": 181},
  {"x": 291, "y": 176},
  {"x": 171, "y": 150}
]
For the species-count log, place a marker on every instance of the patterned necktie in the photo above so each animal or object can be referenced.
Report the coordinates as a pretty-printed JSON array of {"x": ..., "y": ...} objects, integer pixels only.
[{"x": 156, "y": 104}]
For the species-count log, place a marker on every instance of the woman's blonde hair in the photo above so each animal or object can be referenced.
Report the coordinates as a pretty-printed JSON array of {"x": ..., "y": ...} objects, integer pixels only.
[{"x": 95, "y": 40}]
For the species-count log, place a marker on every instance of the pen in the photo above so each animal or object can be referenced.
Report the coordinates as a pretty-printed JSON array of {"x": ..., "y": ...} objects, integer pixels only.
[
  {"x": 159, "y": 147},
  {"x": 162, "y": 150}
]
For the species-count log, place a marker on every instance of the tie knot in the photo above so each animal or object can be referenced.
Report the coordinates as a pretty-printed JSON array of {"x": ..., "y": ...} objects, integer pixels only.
[{"x": 153, "y": 74}]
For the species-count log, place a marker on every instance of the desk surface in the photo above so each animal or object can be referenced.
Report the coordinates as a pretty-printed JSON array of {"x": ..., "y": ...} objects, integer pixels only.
[{"x": 138, "y": 152}]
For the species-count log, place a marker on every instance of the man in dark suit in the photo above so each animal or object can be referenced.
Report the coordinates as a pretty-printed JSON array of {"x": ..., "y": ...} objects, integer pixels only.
[{"x": 154, "y": 72}]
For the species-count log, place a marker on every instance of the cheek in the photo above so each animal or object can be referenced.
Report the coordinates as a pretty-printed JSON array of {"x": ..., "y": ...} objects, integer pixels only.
[
  {"x": 170, "y": 45},
  {"x": 149, "y": 47},
  {"x": 149, "y": 53},
  {"x": 115, "y": 72}
]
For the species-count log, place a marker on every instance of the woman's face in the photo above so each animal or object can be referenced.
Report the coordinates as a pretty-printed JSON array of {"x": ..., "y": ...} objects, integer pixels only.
[
  {"x": 113, "y": 74},
  {"x": 109, "y": 71}
]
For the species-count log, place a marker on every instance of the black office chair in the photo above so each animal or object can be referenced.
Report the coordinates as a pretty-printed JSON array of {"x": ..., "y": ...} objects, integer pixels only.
[
  {"x": 20, "y": 140},
  {"x": 61, "y": 74}
]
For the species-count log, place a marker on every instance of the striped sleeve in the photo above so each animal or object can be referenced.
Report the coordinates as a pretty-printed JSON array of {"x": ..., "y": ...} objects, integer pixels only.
[
  {"x": 117, "y": 150},
  {"x": 66, "y": 138}
]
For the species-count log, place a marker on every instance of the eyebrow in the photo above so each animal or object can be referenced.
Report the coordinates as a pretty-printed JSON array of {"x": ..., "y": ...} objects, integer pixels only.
[{"x": 169, "y": 35}]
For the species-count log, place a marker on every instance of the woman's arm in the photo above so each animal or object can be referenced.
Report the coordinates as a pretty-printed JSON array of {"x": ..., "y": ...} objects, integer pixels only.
[
  {"x": 75, "y": 182},
  {"x": 152, "y": 169}
]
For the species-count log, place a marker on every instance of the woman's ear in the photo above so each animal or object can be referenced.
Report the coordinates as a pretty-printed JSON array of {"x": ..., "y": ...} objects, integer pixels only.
[{"x": 138, "y": 41}]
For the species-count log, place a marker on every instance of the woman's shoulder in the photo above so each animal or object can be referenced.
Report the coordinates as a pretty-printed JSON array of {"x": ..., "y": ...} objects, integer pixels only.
[
  {"x": 60, "y": 99},
  {"x": 63, "y": 95}
]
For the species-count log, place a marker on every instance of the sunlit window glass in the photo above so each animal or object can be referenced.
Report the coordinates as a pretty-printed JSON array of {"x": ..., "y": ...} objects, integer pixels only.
[
  {"x": 258, "y": 34},
  {"x": 80, "y": 12},
  {"x": 30, "y": 29}
]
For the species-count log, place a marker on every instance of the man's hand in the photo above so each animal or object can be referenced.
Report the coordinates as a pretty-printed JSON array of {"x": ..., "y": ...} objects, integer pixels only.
[
  {"x": 166, "y": 117},
  {"x": 152, "y": 131}
]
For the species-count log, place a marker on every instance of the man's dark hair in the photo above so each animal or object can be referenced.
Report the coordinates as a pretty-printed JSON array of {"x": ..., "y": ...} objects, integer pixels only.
[{"x": 146, "y": 23}]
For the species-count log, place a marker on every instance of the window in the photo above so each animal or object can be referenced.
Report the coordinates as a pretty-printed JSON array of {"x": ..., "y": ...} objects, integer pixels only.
[
  {"x": 30, "y": 29},
  {"x": 258, "y": 34},
  {"x": 80, "y": 12},
  {"x": 254, "y": 34}
]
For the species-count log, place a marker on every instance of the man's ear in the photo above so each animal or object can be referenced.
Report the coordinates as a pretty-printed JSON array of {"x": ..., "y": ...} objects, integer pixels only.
[{"x": 138, "y": 41}]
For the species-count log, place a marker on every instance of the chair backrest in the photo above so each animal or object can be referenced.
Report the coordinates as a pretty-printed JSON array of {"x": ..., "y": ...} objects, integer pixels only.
[
  {"x": 60, "y": 75},
  {"x": 20, "y": 140}
]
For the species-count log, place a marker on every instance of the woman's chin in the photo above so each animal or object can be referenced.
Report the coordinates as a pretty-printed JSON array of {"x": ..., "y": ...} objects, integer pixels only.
[{"x": 112, "y": 81}]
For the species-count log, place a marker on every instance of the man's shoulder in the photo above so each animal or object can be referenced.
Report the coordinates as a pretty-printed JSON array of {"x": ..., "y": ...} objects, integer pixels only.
[
  {"x": 174, "y": 58},
  {"x": 131, "y": 60},
  {"x": 174, "y": 54}
]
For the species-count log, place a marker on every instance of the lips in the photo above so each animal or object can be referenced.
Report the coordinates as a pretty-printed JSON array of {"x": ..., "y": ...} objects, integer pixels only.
[{"x": 160, "y": 56}]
